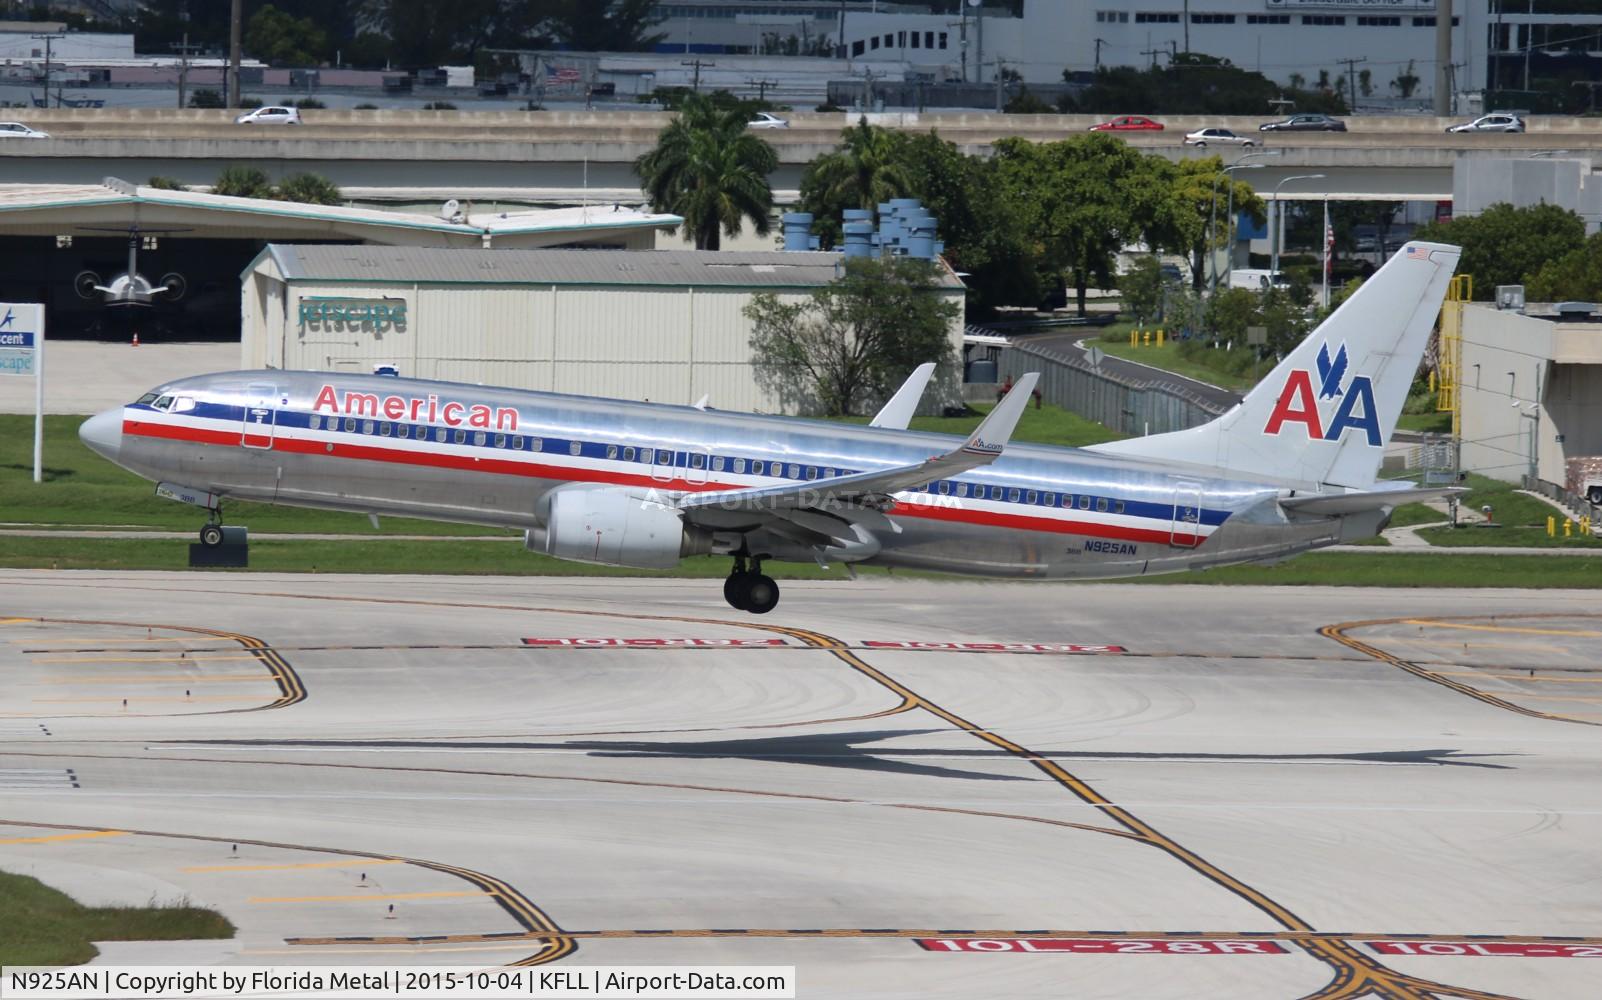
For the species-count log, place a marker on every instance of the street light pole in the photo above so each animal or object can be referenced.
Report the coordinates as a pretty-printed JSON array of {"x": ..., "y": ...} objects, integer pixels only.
[
  {"x": 1229, "y": 222},
  {"x": 1212, "y": 216},
  {"x": 1279, "y": 221}
]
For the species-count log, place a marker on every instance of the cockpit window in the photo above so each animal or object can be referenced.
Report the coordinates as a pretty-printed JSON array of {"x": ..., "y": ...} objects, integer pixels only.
[
  {"x": 184, "y": 404},
  {"x": 163, "y": 403},
  {"x": 146, "y": 399}
]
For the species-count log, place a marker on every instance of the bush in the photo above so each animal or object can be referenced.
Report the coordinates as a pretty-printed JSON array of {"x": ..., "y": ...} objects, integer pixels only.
[
  {"x": 304, "y": 103},
  {"x": 249, "y": 102},
  {"x": 439, "y": 106},
  {"x": 309, "y": 189},
  {"x": 204, "y": 98},
  {"x": 365, "y": 107},
  {"x": 165, "y": 183},
  {"x": 243, "y": 182}
]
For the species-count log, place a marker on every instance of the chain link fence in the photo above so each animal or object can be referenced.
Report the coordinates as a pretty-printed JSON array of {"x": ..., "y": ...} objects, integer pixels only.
[{"x": 1133, "y": 406}]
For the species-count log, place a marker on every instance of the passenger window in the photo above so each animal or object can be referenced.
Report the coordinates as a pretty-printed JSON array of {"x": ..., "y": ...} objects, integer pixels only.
[
  {"x": 1118, "y": 506},
  {"x": 1067, "y": 499},
  {"x": 422, "y": 433},
  {"x": 575, "y": 447},
  {"x": 461, "y": 436},
  {"x": 697, "y": 460},
  {"x": 717, "y": 463},
  {"x": 315, "y": 423},
  {"x": 647, "y": 455},
  {"x": 535, "y": 444},
  {"x": 962, "y": 489},
  {"x": 1049, "y": 499},
  {"x": 611, "y": 451},
  {"x": 385, "y": 428},
  {"x": 350, "y": 425},
  {"x": 440, "y": 434},
  {"x": 664, "y": 458},
  {"x": 628, "y": 454},
  {"x": 517, "y": 442},
  {"x": 1084, "y": 502},
  {"x": 367, "y": 427},
  {"x": 739, "y": 465},
  {"x": 1101, "y": 505},
  {"x": 500, "y": 440},
  {"x": 945, "y": 488},
  {"x": 1012, "y": 495},
  {"x": 1033, "y": 497},
  {"x": 812, "y": 472},
  {"x": 795, "y": 471},
  {"x": 756, "y": 467},
  {"x": 479, "y": 437}
]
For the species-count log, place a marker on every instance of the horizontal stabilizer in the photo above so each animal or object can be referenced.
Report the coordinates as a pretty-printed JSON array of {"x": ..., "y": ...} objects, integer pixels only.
[{"x": 1356, "y": 503}]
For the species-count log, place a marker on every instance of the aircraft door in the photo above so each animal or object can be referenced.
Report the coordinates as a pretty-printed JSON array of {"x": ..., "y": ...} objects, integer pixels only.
[
  {"x": 261, "y": 413},
  {"x": 693, "y": 465},
  {"x": 1185, "y": 528}
]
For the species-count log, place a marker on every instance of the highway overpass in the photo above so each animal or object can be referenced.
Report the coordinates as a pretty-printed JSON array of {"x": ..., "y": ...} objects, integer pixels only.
[{"x": 567, "y": 157}]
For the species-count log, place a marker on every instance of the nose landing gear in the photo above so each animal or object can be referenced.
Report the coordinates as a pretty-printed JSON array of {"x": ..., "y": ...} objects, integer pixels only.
[
  {"x": 750, "y": 590},
  {"x": 211, "y": 533}
]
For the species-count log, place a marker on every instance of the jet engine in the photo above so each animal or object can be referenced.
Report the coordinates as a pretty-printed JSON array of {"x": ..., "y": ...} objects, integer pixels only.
[{"x": 616, "y": 527}]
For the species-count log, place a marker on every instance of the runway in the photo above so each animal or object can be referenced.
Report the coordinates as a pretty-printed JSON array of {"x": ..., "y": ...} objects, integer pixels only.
[{"x": 903, "y": 788}]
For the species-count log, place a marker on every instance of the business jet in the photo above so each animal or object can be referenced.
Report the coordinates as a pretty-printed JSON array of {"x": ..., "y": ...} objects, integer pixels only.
[{"x": 1292, "y": 467}]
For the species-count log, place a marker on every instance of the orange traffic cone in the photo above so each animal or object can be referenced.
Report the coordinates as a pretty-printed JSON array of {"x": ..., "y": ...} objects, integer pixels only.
[{"x": 135, "y": 340}]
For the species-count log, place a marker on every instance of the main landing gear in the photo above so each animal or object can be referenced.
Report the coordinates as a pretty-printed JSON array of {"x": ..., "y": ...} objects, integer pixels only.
[{"x": 749, "y": 590}]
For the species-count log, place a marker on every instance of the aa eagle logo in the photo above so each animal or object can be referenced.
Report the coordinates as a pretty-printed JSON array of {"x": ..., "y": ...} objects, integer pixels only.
[{"x": 1297, "y": 403}]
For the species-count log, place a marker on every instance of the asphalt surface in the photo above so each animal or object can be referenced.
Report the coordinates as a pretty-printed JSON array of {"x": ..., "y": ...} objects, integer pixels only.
[
  {"x": 1074, "y": 343},
  {"x": 1286, "y": 793}
]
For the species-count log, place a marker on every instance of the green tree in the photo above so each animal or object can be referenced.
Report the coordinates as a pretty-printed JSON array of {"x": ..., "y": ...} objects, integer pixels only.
[
  {"x": 1574, "y": 277},
  {"x": 280, "y": 39},
  {"x": 710, "y": 169},
  {"x": 1406, "y": 82},
  {"x": 622, "y": 26},
  {"x": 243, "y": 182},
  {"x": 863, "y": 171},
  {"x": 1199, "y": 84},
  {"x": 1505, "y": 245},
  {"x": 205, "y": 97},
  {"x": 310, "y": 189},
  {"x": 164, "y": 183},
  {"x": 1142, "y": 289},
  {"x": 1229, "y": 312},
  {"x": 851, "y": 342},
  {"x": 1079, "y": 201}
]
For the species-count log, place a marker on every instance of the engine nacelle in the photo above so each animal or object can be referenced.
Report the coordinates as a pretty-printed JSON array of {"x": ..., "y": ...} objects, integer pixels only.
[{"x": 616, "y": 527}]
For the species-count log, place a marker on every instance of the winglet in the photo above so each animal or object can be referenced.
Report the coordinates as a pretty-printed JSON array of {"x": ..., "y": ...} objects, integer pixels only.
[
  {"x": 993, "y": 433},
  {"x": 897, "y": 413}
]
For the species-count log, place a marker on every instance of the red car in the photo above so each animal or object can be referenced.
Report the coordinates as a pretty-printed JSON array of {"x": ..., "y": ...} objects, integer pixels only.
[{"x": 1129, "y": 123}]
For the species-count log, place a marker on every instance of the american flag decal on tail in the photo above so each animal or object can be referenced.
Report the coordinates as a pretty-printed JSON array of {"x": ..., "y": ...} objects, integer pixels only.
[{"x": 1418, "y": 253}]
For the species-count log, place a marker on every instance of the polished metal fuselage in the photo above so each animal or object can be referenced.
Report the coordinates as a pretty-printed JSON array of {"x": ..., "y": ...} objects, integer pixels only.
[{"x": 377, "y": 445}]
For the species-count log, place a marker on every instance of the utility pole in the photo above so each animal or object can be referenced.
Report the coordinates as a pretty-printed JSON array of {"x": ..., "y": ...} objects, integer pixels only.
[
  {"x": 49, "y": 40},
  {"x": 979, "y": 39},
  {"x": 761, "y": 86},
  {"x": 1443, "y": 58},
  {"x": 697, "y": 63},
  {"x": 1154, "y": 53},
  {"x": 1186, "y": 16},
  {"x": 184, "y": 50},
  {"x": 1001, "y": 83},
  {"x": 1351, "y": 77},
  {"x": 235, "y": 28},
  {"x": 1099, "y": 43}
]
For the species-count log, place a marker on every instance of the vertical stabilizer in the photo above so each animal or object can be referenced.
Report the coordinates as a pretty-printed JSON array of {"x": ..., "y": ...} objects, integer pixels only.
[{"x": 1323, "y": 415}]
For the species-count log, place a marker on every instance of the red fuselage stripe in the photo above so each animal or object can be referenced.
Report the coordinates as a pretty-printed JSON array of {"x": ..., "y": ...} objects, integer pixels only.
[{"x": 562, "y": 473}]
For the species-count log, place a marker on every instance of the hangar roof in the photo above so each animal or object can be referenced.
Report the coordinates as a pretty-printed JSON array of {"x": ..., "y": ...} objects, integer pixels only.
[
  {"x": 679, "y": 268},
  {"x": 58, "y": 208}
]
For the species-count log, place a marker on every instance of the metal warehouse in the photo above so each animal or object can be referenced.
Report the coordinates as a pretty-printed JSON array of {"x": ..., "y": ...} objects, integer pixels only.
[{"x": 663, "y": 325}]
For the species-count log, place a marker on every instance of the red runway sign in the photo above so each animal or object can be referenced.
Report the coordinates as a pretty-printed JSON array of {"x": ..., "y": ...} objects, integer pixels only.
[
  {"x": 680, "y": 643},
  {"x": 1495, "y": 949},
  {"x": 1104, "y": 946},
  {"x": 997, "y": 647}
]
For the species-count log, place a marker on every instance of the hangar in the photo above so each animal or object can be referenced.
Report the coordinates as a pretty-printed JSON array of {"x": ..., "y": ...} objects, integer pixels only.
[
  {"x": 60, "y": 242},
  {"x": 664, "y": 325}
]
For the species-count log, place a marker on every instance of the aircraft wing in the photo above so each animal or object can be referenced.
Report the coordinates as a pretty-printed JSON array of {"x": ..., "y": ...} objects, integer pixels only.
[
  {"x": 898, "y": 411},
  {"x": 1355, "y": 503},
  {"x": 872, "y": 489}
]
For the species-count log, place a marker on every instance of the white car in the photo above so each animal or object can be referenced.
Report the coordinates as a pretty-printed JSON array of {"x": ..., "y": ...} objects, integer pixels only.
[
  {"x": 765, "y": 120},
  {"x": 1491, "y": 123},
  {"x": 17, "y": 130},
  {"x": 1218, "y": 137},
  {"x": 269, "y": 115}
]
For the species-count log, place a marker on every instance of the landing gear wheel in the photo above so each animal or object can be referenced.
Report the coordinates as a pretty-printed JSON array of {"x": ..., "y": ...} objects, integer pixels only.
[
  {"x": 734, "y": 590},
  {"x": 761, "y": 594},
  {"x": 211, "y": 536}
]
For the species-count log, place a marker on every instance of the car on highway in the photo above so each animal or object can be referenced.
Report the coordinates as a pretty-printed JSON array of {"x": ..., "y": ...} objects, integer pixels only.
[
  {"x": 269, "y": 115},
  {"x": 1304, "y": 123},
  {"x": 17, "y": 130},
  {"x": 1128, "y": 123},
  {"x": 1491, "y": 123},
  {"x": 765, "y": 120},
  {"x": 1218, "y": 137}
]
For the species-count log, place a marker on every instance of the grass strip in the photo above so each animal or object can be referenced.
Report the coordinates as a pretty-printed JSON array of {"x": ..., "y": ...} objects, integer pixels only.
[
  {"x": 1394, "y": 568},
  {"x": 41, "y": 926}
]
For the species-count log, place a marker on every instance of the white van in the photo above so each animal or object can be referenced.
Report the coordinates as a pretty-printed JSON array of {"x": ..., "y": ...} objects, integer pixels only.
[{"x": 1257, "y": 278}]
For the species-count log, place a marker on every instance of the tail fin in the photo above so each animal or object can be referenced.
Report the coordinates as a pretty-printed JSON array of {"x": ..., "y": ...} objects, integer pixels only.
[{"x": 1324, "y": 414}]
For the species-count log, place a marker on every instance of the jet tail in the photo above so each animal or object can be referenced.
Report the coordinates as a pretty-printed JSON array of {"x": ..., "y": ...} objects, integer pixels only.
[{"x": 1322, "y": 417}]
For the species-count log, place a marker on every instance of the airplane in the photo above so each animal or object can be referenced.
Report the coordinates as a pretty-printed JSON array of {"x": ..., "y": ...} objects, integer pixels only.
[
  {"x": 1292, "y": 467},
  {"x": 130, "y": 288}
]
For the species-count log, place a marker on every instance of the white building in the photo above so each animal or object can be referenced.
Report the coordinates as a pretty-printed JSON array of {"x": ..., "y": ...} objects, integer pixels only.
[{"x": 666, "y": 325}]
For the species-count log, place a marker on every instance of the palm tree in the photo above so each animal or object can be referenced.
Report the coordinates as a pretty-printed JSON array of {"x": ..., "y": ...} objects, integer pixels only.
[
  {"x": 709, "y": 169},
  {"x": 864, "y": 170}
]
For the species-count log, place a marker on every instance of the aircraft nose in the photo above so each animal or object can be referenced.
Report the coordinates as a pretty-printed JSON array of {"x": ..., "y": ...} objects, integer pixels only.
[{"x": 103, "y": 433}]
